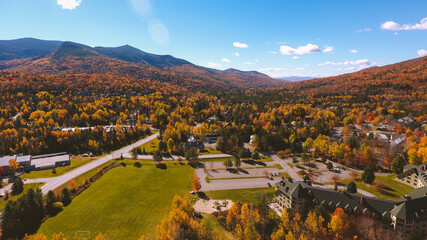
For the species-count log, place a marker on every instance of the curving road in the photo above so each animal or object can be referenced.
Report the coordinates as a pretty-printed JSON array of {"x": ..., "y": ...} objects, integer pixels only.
[{"x": 55, "y": 182}]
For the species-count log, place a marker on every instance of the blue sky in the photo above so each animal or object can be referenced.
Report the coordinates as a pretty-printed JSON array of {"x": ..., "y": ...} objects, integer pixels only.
[{"x": 279, "y": 38}]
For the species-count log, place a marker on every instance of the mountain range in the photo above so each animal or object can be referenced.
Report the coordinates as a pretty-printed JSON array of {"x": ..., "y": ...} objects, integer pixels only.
[{"x": 56, "y": 57}]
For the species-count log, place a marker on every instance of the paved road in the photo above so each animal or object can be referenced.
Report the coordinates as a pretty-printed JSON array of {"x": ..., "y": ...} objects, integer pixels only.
[
  {"x": 55, "y": 182},
  {"x": 150, "y": 157},
  {"x": 286, "y": 168}
]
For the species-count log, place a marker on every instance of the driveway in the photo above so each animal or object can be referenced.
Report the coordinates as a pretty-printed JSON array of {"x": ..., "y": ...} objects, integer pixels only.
[{"x": 55, "y": 182}]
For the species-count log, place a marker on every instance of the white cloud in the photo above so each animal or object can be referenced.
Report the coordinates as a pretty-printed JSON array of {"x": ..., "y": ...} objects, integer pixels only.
[
  {"x": 69, "y": 4},
  {"x": 353, "y": 51},
  {"x": 299, "y": 69},
  {"x": 272, "y": 52},
  {"x": 213, "y": 65},
  {"x": 422, "y": 52},
  {"x": 272, "y": 69},
  {"x": 249, "y": 63},
  {"x": 363, "y": 30},
  {"x": 226, "y": 60},
  {"x": 328, "y": 49},
  {"x": 295, "y": 57},
  {"x": 237, "y": 54},
  {"x": 390, "y": 25},
  {"x": 240, "y": 45},
  {"x": 309, "y": 48},
  {"x": 346, "y": 69},
  {"x": 395, "y": 33},
  {"x": 363, "y": 63}
]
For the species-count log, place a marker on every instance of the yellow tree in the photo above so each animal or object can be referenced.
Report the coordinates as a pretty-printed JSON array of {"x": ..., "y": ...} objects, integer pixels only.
[
  {"x": 13, "y": 165},
  {"x": 339, "y": 225},
  {"x": 196, "y": 183}
]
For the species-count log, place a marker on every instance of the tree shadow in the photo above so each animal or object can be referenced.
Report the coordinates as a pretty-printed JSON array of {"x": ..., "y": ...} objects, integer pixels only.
[
  {"x": 161, "y": 166},
  {"x": 232, "y": 170},
  {"x": 250, "y": 162},
  {"x": 203, "y": 196},
  {"x": 243, "y": 171},
  {"x": 137, "y": 164}
]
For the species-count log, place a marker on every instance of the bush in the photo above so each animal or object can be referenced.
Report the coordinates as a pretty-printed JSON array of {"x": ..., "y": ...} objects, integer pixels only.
[
  {"x": 368, "y": 176},
  {"x": 352, "y": 187},
  {"x": 397, "y": 164},
  {"x": 54, "y": 171},
  {"x": 18, "y": 186},
  {"x": 255, "y": 156},
  {"x": 137, "y": 164},
  {"x": 57, "y": 207},
  {"x": 66, "y": 196}
]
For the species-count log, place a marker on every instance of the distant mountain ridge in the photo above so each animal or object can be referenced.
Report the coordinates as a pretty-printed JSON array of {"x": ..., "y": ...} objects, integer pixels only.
[
  {"x": 296, "y": 78},
  {"x": 55, "y": 57},
  {"x": 398, "y": 78},
  {"x": 25, "y": 48}
]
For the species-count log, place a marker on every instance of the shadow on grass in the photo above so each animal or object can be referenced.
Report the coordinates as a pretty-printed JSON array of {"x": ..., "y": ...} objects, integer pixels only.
[
  {"x": 161, "y": 166},
  {"x": 203, "y": 196}
]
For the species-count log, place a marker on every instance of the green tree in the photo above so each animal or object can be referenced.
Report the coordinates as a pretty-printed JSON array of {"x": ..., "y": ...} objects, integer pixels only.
[
  {"x": 255, "y": 156},
  {"x": 157, "y": 157},
  {"x": 191, "y": 155},
  {"x": 134, "y": 153},
  {"x": 352, "y": 187},
  {"x": 18, "y": 186},
  {"x": 237, "y": 162},
  {"x": 50, "y": 200},
  {"x": 368, "y": 175},
  {"x": 66, "y": 196},
  {"x": 397, "y": 164},
  {"x": 228, "y": 163}
]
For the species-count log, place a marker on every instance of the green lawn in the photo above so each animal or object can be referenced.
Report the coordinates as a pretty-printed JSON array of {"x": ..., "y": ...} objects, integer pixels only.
[
  {"x": 249, "y": 195},
  {"x": 209, "y": 151},
  {"x": 125, "y": 203},
  {"x": 26, "y": 188},
  {"x": 383, "y": 187},
  {"x": 151, "y": 146},
  {"x": 75, "y": 163},
  {"x": 85, "y": 176},
  {"x": 215, "y": 227}
]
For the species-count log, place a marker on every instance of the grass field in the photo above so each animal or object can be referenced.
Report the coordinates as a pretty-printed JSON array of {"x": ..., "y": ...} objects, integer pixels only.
[
  {"x": 85, "y": 176},
  {"x": 215, "y": 226},
  {"x": 209, "y": 151},
  {"x": 151, "y": 146},
  {"x": 26, "y": 188},
  {"x": 383, "y": 187},
  {"x": 75, "y": 163},
  {"x": 249, "y": 195},
  {"x": 125, "y": 203}
]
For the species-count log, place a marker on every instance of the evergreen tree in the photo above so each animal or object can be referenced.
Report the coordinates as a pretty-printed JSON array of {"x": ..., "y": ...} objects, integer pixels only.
[{"x": 368, "y": 176}]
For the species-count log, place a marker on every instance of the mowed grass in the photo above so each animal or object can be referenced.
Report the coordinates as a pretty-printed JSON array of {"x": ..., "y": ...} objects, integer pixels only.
[
  {"x": 75, "y": 163},
  {"x": 14, "y": 198},
  {"x": 249, "y": 195},
  {"x": 125, "y": 203},
  {"x": 151, "y": 146},
  {"x": 210, "y": 150},
  {"x": 384, "y": 187}
]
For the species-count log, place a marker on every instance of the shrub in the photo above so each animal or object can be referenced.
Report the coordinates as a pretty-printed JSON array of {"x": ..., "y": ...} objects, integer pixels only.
[
  {"x": 18, "y": 186},
  {"x": 368, "y": 176},
  {"x": 57, "y": 207},
  {"x": 54, "y": 171},
  {"x": 66, "y": 196},
  {"x": 351, "y": 187}
]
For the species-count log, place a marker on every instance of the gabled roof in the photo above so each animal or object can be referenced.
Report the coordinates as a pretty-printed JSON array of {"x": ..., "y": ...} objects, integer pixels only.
[
  {"x": 413, "y": 209},
  {"x": 329, "y": 198}
]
